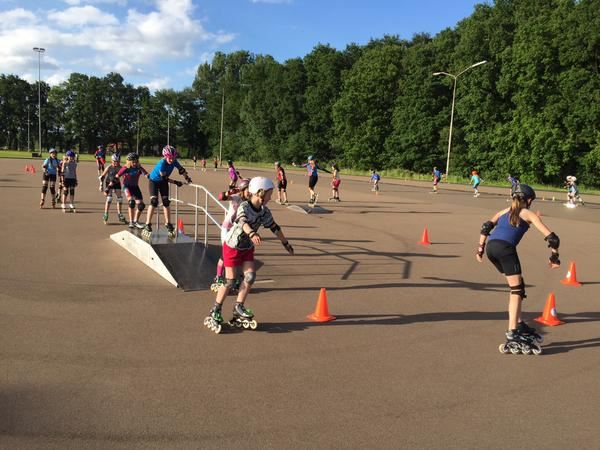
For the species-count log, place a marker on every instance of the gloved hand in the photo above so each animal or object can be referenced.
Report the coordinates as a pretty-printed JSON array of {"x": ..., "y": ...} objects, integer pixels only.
[
  {"x": 178, "y": 183},
  {"x": 554, "y": 261},
  {"x": 288, "y": 247}
]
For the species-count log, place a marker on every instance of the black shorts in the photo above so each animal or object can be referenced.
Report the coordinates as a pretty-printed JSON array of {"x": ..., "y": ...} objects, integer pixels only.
[
  {"x": 154, "y": 187},
  {"x": 282, "y": 185},
  {"x": 312, "y": 181},
  {"x": 133, "y": 192},
  {"x": 504, "y": 256},
  {"x": 49, "y": 177},
  {"x": 70, "y": 183}
]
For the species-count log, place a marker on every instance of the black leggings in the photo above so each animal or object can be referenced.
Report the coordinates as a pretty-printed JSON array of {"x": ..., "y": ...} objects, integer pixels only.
[{"x": 504, "y": 256}]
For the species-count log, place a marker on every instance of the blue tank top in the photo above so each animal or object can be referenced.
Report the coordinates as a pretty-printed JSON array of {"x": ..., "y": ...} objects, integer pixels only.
[
  {"x": 504, "y": 231},
  {"x": 164, "y": 167}
]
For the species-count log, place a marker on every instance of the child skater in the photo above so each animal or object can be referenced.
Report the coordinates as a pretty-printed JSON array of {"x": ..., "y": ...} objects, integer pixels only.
[
  {"x": 573, "y": 192},
  {"x": 375, "y": 178},
  {"x": 233, "y": 174},
  {"x": 476, "y": 180},
  {"x": 437, "y": 177},
  {"x": 159, "y": 183},
  {"x": 235, "y": 196},
  {"x": 68, "y": 171},
  {"x": 313, "y": 177},
  {"x": 509, "y": 226},
  {"x": 51, "y": 168},
  {"x": 514, "y": 182},
  {"x": 100, "y": 156},
  {"x": 113, "y": 186},
  {"x": 335, "y": 183},
  {"x": 281, "y": 184},
  {"x": 238, "y": 251},
  {"x": 131, "y": 173}
]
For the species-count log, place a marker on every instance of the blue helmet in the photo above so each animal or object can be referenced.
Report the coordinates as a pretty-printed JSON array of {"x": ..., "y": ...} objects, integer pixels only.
[{"x": 70, "y": 153}]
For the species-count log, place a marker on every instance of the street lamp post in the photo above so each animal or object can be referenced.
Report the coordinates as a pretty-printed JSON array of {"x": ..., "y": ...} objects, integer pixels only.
[
  {"x": 137, "y": 139},
  {"x": 28, "y": 122},
  {"x": 221, "y": 139},
  {"x": 454, "y": 77},
  {"x": 39, "y": 51}
]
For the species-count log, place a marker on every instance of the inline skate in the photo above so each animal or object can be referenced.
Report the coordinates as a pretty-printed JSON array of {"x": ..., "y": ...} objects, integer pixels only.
[
  {"x": 171, "y": 230},
  {"x": 146, "y": 229},
  {"x": 530, "y": 332},
  {"x": 517, "y": 343},
  {"x": 72, "y": 208},
  {"x": 243, "y": 317},
  {"x": 214, "y": 319},
  {"x": 217, "y": 283},
  {"x": 105, "y": 218},
  {"x": 122, "y": 218}
]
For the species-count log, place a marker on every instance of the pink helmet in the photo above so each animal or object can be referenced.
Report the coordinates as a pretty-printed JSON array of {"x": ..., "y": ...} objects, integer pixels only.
[{"x": 169, "y": 152}]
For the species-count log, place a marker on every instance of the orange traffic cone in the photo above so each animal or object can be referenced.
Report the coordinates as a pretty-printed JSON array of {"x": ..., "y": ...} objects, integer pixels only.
[
  {"x": 550, "y": 317},
  {"x": 425, "y": 238},
  {"x": 180, "y": 229},
  {"x": 27, "y": 168},
  {"x": 31, "y": 169},
  {"x": 321, "y": 313},
  {"x": 571, "y": 278}
]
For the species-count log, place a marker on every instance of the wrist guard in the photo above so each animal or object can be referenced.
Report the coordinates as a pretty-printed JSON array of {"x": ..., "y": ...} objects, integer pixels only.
[
  {"x": 553, "y": 241},
  {"x": 187, "y": 179},
  {"x": 288, "y": 247},
  {"x": 481, "y": 250},
  {"x": 554, "y": 259}
]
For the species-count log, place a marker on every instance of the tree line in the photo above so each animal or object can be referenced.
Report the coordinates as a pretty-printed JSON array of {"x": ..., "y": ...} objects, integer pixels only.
[{"x": 533, "y": 110}]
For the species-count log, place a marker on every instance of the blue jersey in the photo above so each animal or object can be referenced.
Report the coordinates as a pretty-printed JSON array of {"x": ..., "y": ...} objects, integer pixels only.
[
  {"x": 375, "y": 177},
  {"x": 165, "y": 168},
  {"x": 437, "y": 174},
  {"x": 51, "y": 165},
  {"x": 475, "y": 179},
  {"x": 504, "y": 231}
]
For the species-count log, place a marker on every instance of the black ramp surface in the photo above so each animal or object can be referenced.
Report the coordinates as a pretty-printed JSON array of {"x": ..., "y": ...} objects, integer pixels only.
[{"x": 193, "y": 265}]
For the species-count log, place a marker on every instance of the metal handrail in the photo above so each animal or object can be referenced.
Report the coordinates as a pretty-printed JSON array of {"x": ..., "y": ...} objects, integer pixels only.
[{"x": 198, "y": 189}]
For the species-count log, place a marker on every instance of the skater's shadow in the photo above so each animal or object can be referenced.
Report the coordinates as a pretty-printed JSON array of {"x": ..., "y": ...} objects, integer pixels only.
[
  {"x": 566, "y": 346},
  {"x": 382, "y": 319}
]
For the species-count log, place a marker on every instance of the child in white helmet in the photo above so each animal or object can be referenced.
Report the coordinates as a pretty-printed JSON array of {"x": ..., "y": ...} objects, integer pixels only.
[
  {"x": 238, "y": 251},
  {"x": 573, "y": 192},
  {"x": 112, "y": 187}
]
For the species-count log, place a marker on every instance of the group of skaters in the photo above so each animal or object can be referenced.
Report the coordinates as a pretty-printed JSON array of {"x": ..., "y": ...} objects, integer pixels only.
[
  {"x": 248, "y": 212},
  {"x": 116, "y": 179}
]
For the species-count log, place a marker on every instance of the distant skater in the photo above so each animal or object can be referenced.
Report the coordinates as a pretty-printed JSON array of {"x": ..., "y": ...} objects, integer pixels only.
[
  {"x": 375, "y": 179},
  {"x": 313, "y": 178},
  {"x": 281, "y": 184},
  {"x": 68, "y": 172},
  {"x": 335, "y": 183},
  {"x": 100, "y": 156},
  {"x": 437, "y": 177},
  {"x": 476, "y": 181},
  {"x": 131, "y": 174},
  {"x": 573, "y": 192},
  {"x": 503, "y": 232},
  {"x": 51, "y": 168},
  {"x": 112, "y": 187}
]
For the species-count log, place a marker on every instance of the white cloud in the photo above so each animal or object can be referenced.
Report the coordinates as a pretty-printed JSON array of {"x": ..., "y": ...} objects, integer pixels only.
[
  {"x": 95, "y": 2},
  {"x": 157, "y": 83},
  {"x": 8, "y": 19},
  {"x": 81, "y": 16},
  {"x": 272, "y": 2}
]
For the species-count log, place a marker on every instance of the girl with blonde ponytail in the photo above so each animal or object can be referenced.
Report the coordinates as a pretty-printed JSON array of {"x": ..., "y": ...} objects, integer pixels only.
[{"x": 509, "y": 226}]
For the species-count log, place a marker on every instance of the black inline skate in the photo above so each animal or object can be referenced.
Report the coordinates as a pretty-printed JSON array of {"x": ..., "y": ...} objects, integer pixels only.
[
  {"x": 517, "y": 343},
  {"x": 146, "y": 230},
  {"x": 243, "y": 317},
  {"x": 530, "y": 332},
  {"x": 171, "y": 230},
  {"x": 215, "y": 319},
  {"x": 217, "y": 283},
  {"x": 122, "y": 218}
]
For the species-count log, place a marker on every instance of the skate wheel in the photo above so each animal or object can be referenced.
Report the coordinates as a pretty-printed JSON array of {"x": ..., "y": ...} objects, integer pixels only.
[
  {"x": 238, "y": 324},
  {"x": 539, "y": 339},
  {"x": 218, "y": 328},
  {"x": 537, "y": 350},
  {"x": 503, "y": 349},
  {"x": 246, "y": 324},
  {"x": 206, "y": 321},
  {"x": 253, "y": 325},
  {"x": 526, "y": 351},
  {"x": 515, "y": 350}
]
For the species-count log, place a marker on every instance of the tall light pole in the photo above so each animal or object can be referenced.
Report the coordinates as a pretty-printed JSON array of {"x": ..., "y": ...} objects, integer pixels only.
[
  {"x": 221, "y": 140},
  {"x": 168, "y": 108},
  {"x": 137, "y": 139},
  {"x": 455, "y": 77},
  {"x": 39, "y": 51},
  {"x": 28, "y": 122}
]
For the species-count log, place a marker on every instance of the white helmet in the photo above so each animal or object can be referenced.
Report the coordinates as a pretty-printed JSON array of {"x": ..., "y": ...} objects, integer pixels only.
[{"x": 258, "y": 183}]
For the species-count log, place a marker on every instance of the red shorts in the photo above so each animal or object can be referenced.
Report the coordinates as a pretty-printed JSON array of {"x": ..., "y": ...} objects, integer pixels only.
[
  {"x": 235, "y": 258},
  {"x": 335, "y": 183}
]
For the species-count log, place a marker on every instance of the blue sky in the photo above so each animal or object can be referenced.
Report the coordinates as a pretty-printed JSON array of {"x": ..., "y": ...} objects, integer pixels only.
[{"x": 159, "y": 43}]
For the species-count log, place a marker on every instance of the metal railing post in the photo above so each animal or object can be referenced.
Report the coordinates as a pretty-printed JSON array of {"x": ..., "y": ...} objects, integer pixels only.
[
  {"x": 196, "y": 216},
  {"x": 205, "y": 218},
  {"x": 177, "y": 208}
]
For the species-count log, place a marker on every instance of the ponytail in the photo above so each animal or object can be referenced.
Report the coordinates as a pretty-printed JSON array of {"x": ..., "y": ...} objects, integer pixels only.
[{"x": 518, "y": 203}]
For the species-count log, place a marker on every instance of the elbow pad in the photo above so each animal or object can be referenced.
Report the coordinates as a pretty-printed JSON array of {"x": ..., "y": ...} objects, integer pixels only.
[
  {"x": 487, "y": 228},
  {"x": 553, "y": 241}
]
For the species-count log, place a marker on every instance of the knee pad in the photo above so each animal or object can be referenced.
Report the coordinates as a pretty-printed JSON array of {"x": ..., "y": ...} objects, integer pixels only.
[
  {"x": 119, "y": 200},
  {"x": 141, "y": 206},
  {"x": 72, "y": 191},
  {"x": 250, "y": 278},
  {"x": 154, "y": 201},
  {"x": 518, "y": 290},
  {"x": 109, "y": 199},
  {"x": 229, "y": 282},
  {"x": 132, "y": 203},
  {"x": 52, "y": 190},
  {"x": 165, "y": 201},
  {"x": 44, "y": 188}
]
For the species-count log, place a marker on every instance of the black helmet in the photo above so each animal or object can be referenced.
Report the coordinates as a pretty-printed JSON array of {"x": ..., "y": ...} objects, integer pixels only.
[
  {"x": 523, "y": 190},
  {"x": 132, "y": 157}
]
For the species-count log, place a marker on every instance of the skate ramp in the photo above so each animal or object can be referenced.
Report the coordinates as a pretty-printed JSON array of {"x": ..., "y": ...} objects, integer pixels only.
[
  {"x": 183, "y": 262},
  {"x": 305, "y": 209}
]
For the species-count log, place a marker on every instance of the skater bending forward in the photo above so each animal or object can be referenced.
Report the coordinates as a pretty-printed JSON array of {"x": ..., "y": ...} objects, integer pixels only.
[
  {"x": 503, "y": 233},
  {"x": 238, "y": 252}
]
